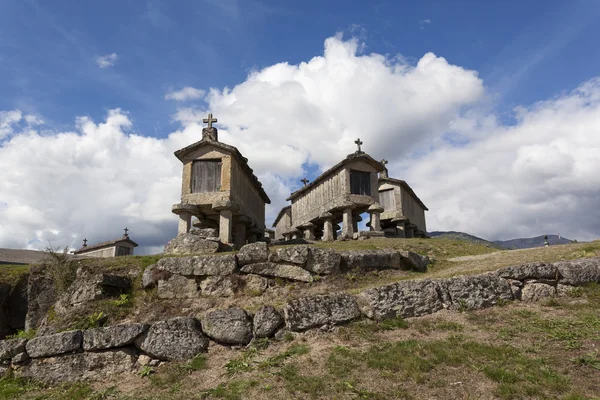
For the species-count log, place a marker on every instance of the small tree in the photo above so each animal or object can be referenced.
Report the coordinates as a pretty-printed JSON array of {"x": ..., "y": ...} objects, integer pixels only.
[{"x": 60, "y": 267}]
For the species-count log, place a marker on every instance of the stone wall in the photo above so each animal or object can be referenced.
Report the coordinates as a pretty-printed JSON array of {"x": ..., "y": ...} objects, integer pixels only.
[{"x": 95, "y": 353}]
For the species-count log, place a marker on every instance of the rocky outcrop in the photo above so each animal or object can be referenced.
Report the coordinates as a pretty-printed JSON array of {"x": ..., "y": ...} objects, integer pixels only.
[
  {"x": 112, "y": 336},
  {"x": 41, "y": 295},
  {"x": 149, "y": 278},
  {"x": 323, "y": 261},
  {"x": 177, "y": 287},
  {"x": 190, "y": 243},
  {"x": 414, "y": 261},
  {"x": 230, "y": 326},
  {"x": 579, "y": 272},
  {"x": 287, "y": 271},
  {"x": 51, "y": 345},
  {"x": 403, "y": 299},
  {"x": 253, "y": 253},
  {"x": 89, "y": 286},
  {"x": 81, "y": 366},
  {"x": 266, "y": 322},
  {"x": 176, "y": 339},
  {"x": 317, "y": 311},
  {"x": 536, "y": 270}
]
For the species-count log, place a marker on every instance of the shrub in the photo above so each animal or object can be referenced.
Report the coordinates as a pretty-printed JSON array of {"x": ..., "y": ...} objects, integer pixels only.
[{"x": 61, "y": 268}]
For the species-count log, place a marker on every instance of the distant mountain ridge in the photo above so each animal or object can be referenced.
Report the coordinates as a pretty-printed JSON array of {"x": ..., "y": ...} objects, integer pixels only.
[
  {"x": 464, "y": 236},
  {"x": 511, "y": 244},
  {"x": 538, "y": 241}
]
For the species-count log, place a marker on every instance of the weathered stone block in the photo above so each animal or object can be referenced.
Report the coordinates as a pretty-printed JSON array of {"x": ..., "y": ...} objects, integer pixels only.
[
  {"x": 253, "y": 253},
  {"x": 40, "y": 297},
  {"x": 112, "y": 336},
  {"x": 323, "y": 261},
  {"x": 176, "y": 265},
  {"x": 286, "y": 271},
  {"x": 221, "y": 286},
  {"x": 293, "y": 254},
  {"x": 414, "y": 261},
  {"x": 255, "y": 284},
  {"x": 59, "y": 343},
  {"x": 11, "y": 347},
  {"x": 476, "y": 291},
  {"x": 536, "y": 270},
  {"x": 177, "y": 287},
  {"x": 90, "y": 286},
  {"x": 535, "y": 291},
  {"x": 266, "y": 322},
  {"x": 316, "y": 311},
  {"x": 214, "y": 265},
  {"x": 20, "y": 358},
  {"x": 579, "y": 272},
  {"x": 371, "y": 259},
  {"x": 149, "y": 277},
  {"x": 230, "y": 326},
  {"x": 81, "y": 366},
  {"x": 188, "y": 243},
  {"x": 176, "y": 339},
  {"x": 404, "y": 299}
]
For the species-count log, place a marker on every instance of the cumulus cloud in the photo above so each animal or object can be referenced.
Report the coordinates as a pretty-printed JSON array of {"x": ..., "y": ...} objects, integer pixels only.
[
  {"x": 474, "y": 173},
  {"x": 107, "y": 60},
  {"x": 187, "y": 93}
]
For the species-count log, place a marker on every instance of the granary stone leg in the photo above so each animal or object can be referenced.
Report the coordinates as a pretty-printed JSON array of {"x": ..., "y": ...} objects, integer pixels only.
[
  {"x": 309, "y": 231},
  {"x": 400, "y": 226},
  {"x": 327, "y": 227},
  {"x": 225, "y": 222},
  {"x": 185, "y": 222},
  {"x": 410, "y": 231},
  {"x": 240, "y": 235},
  {"x": 348, "y": 225},
  {"x": 375, "y": 210}
]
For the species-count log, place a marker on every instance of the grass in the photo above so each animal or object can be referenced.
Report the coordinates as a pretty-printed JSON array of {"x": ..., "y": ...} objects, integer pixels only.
[{"x": 11, "y": 273}]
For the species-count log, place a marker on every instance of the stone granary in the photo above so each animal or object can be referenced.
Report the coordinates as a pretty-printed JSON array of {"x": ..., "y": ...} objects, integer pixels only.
[
  {"x": 404, "y": 212},
  {"x": 220, "y": 190},
  {"x": 339, "y": 194},
  {"x": 113, "y": 248}
]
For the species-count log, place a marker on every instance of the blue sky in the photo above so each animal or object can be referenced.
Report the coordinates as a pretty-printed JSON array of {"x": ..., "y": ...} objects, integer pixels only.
[
  {"x": 490, "y": 110},
  {"x": 524, "y": 51}
]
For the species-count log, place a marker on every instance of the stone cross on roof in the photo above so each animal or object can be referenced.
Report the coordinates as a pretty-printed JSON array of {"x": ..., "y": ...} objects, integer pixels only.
[
  {"x": 305, "y": 181},
  {"x": 209, "y": 120},
  {"x": 84, "y": 242},
  {"x": 358, "y": 143},
  {"x": 384, "y": 162},
  {"x": 126, "y": 234},
  {"x": 384, "y": 173}
]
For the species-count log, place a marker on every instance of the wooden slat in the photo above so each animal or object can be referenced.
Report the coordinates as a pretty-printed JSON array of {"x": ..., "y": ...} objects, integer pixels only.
[
  {"x": 387, "y": 200},
  {"x": 206, "y": 176}
]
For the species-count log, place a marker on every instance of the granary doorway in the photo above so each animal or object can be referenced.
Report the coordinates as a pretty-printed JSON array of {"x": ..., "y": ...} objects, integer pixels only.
[
  {"x": 360, "y": 182},
  {"x": 206, "y": 176},
  {"x": 387, "y": 200}
]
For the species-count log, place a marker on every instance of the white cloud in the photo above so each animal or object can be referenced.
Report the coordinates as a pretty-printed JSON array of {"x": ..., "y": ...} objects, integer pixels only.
[
  {"x": 107, "y": 60},
  {"x": 7, "y": 121},
  {"x": 424, "y": 22},
  {"x": 474, "y": 173},
  {"x": 187, "y": 93}
]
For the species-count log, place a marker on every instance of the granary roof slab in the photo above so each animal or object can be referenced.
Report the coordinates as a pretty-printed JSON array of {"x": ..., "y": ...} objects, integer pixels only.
[
  {"x": 108, "y": 243},
  {"x": 357, "y": 156},
  {"x": 181, "y": 153},
  {"x": 281, "y": 212},
  {"x": 407, "y": 187}
]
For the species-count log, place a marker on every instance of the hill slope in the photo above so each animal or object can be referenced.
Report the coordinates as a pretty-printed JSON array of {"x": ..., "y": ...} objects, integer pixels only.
[
  {"x": 466, "y": 237},
  {"x": 527, "y": 243}
]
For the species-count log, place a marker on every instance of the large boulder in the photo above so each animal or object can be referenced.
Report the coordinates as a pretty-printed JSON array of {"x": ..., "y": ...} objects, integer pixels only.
[
  {"x": 149, "y": 277},
  {"x": 221, "y": 286},
  {"x": 535, "y": 270},
  {"x": 176, "y": 265},
  {"x": 316, "y": 311},
  {"x": 475, "y": 291},
  {"x": 177, "y": 287},
  {"x": 81, "y": 366},
  {"x": 176, "y": 339},
  {"x": 229, "y": 326},
  {"x": 266, "y": 322},
  {"x": 579, "y": 272},
  {"x": 11, "y": 347},
  {"x": 90, "y": 286},
  {"x": 535, "y": 291},
  {"x": 323, "y": 261},
  {"x": 291, "y": 254},
  {"x": 51, "y": 345},
  {"x": 414, "y": 261},
  {"x": 383, "y": 258},
  {"x": 189, "y": 243},
  {"x": 287, "y": 271},
  {"x": 253, "y": 253},
  {"x": 404, "y": 299},
  {"x": 112, "y": 336}
]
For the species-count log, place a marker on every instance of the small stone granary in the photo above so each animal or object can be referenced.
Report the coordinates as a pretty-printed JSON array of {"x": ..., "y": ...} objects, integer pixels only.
[
  {"x": 112, "y": 248},
  {"x": 403, "y": 212},
  {"x": 220, "y": 190},
  {"x": 345, "y": 191}
]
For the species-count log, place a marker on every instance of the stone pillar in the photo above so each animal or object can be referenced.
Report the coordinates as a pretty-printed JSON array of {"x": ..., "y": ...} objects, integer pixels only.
[
  {"x": 348, "y": 225},
  {"x": 328, "y": 234},
  {"x": 400, "y": 226},
  {"x": 225, "y": 225},
  {"x": 309, "y": 231},
  {"x": 410, "y": 231},
  {"x": 185, "y": 212},
  {"x": 240, "y": 235},
  {"x": 375, "y": 210}
]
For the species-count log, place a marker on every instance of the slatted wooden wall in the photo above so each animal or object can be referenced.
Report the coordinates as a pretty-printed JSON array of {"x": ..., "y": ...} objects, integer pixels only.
[{"x": 206, "y": 176}]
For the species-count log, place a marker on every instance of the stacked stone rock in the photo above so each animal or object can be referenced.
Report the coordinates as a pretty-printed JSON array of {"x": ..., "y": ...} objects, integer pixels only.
[{"x": 98, "y": 352}]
